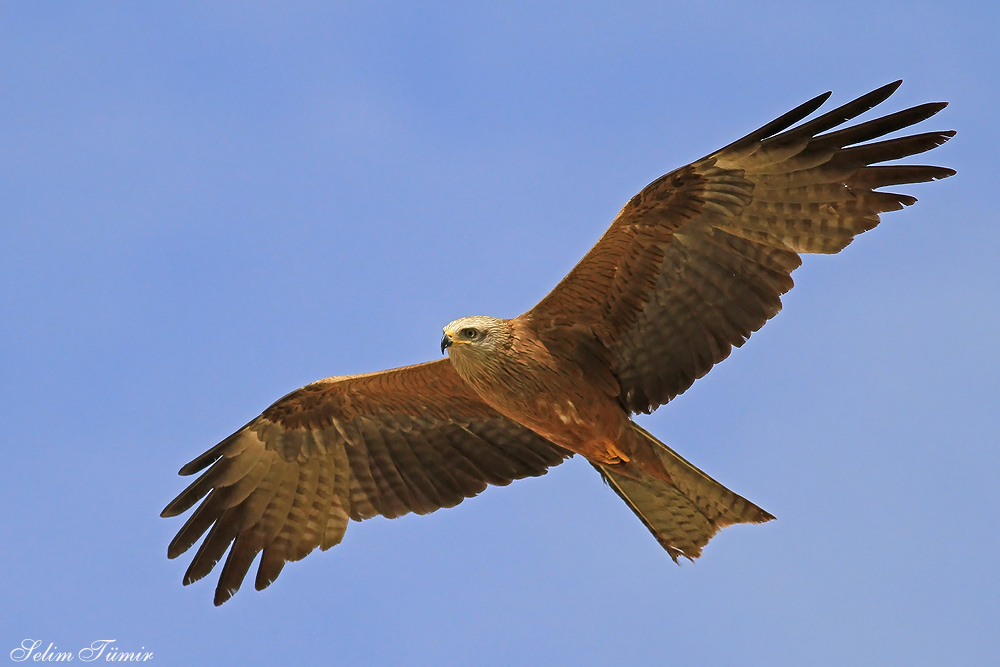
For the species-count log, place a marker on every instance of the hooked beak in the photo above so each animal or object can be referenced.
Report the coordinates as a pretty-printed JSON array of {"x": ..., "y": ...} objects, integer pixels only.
[{"x": 445, "y": 342}]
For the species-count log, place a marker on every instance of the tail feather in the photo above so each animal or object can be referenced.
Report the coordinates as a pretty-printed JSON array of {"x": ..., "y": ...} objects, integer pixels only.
[{"x": 684, "y": 514}]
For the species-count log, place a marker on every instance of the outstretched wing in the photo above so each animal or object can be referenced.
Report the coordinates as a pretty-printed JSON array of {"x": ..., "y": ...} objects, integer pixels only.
[
  {"x": 698, "y": 260},
  {"x": 412, "y": 439}
]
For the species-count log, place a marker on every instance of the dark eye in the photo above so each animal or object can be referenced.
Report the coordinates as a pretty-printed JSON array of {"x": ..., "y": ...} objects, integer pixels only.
[{"x": 468, "y": 333}]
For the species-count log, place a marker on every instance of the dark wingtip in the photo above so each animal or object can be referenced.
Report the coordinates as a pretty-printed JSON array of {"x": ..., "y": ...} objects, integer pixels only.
[
  {"x": 880, "y": 94},
  {"x": 191, "y": 577},
  {"x": 188, "y": 469},
  {"x": 819, "y": 100},
  {"x": 205, "y": 460},
  {"x": 175, "y": 549},
  {"x": 886, "y": 91},
  {"x": 944, "y": 137},
  {"x": 780, "y": 123},
  {"x": 223, "y": 595},
  {"x": 214, "y": 454},
  {"x": 176, "y": 507}
]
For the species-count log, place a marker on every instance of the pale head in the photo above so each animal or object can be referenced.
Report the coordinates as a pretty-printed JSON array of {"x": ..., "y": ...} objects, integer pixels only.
[{"x": 476, "y": 334}]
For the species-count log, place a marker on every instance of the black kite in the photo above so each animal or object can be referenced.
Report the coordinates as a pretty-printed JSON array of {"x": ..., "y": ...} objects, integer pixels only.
[{"x": 690, "y": 267}]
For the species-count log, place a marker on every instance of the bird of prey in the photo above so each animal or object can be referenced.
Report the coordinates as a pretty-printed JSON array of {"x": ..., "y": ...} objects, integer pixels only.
[{"x": 690, "y": 267}]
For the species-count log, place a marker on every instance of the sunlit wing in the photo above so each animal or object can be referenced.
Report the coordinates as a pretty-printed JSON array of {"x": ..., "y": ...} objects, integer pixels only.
[
  {"x": 698, "y": 260},
  {"x": 412, "y": 439}
]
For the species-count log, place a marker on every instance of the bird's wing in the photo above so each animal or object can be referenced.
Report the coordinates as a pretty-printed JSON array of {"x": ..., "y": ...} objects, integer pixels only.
[
  {"x": 412, "y": 439},
  {"x": 697, "y": 261}
]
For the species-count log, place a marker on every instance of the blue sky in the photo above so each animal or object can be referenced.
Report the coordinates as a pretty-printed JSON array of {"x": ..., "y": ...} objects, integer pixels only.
[{"x": 205, "y": 206}]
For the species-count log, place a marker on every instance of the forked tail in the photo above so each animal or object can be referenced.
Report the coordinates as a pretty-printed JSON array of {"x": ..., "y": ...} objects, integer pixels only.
[{"x": 685, "y": 514}]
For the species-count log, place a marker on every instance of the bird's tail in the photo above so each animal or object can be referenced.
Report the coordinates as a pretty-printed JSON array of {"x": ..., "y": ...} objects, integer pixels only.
[{"x": 684, "y": 513}]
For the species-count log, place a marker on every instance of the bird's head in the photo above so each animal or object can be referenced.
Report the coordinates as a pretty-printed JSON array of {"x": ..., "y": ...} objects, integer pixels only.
[{"x": 474, "y": 335}]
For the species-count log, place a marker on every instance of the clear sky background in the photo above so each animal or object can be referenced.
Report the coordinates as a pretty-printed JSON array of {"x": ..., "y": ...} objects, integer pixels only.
[{"x": 204, "y": 206}]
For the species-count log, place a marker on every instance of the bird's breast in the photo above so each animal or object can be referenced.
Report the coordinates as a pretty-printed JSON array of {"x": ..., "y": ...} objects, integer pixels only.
[{"x": 554, "y": 402}]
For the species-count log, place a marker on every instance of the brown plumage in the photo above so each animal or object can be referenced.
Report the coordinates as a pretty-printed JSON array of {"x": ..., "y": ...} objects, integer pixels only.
[{"x": 690, "y": 267}]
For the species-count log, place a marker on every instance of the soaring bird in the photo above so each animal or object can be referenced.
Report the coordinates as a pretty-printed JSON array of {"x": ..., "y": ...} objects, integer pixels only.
[{"x": 689, "y": 268}]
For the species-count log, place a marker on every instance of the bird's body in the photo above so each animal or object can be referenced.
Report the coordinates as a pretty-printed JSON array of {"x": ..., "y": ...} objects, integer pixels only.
[
  {"x": 559, "y": 404},
  {"x": 690, "y": 268}
]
